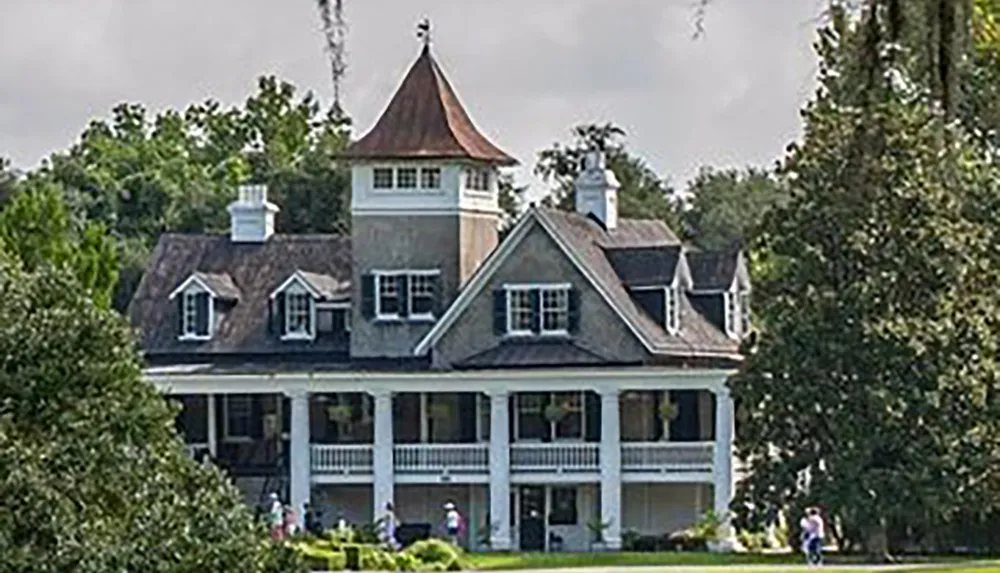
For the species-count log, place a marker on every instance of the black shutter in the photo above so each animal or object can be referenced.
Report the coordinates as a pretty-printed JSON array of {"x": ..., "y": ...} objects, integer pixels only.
[
  {"x": 499, "y": 312},
  {"x": 511, "y": 414},
  {"x": 286, "y": 415},
  {"x": 438, "y": 302},
  {"x": 368, "y": 296},
  {"x": 270, "y": 315},
  {"x": 535, "y": 296},
  {"x": 279, "y": 313},
  {"x": 549, "y": 426},
  {"x": 686, "y": 427},
  {"x": 256, "y": 416},
  {"x": 180, "y": 314},
  {"x": 574, "y": 310},
  {"x": 202, "y": 301},
  {"x": 403, "y": 284},
  {"x": 467, "y": 417},
  {"x": 592, "y": 409},
  {"x": 658, "y": 398}
]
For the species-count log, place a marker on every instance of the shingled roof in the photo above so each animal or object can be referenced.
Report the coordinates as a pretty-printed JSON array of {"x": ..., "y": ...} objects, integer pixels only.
[{"x": 425, "y": 120}]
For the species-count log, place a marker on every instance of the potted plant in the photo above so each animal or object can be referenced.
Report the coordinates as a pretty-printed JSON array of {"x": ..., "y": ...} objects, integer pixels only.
[
  {"x": 555, "y": 412},
  {"x": 709, "y": 529},
  {"x": 597, "y": 527},
  {"x": 339, "y": 413},
  {"x": 438, "y": 410},
  {"x": 668, "y": 410}
]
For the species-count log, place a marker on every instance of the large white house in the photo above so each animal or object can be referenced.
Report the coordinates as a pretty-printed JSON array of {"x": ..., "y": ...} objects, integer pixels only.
[{"x": 574, "y": 371}]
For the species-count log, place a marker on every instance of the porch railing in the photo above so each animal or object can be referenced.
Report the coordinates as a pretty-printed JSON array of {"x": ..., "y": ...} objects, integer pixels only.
[
  {"x": 667, "y": 456},
  {"x": 196, "y": 451},
  {"x": 576, "y": 457},
  {"x": 442, "y": 458},
  {"x": 342, "y": 458}
]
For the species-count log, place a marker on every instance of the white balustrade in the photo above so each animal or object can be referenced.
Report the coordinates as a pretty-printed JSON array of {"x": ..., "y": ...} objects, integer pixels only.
[
  {"x": 667, "y": 456},
  {"x": 341, "y": 459},
  {"x": 195, "y": 451},
  {"x": 568, "y": 457},
  {"x": 442, "y": 458}
]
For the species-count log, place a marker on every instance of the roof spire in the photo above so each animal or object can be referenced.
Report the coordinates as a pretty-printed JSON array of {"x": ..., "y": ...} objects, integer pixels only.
[{"x": 424, "y": 31}]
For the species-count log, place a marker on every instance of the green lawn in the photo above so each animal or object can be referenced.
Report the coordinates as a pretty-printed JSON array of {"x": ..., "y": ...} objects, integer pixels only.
[{"x": 524, "y": 561}]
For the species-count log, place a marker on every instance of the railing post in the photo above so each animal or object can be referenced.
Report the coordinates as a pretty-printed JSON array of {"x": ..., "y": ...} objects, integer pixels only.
[
  {"x": 383, "y": 470},
  {"x": 499, "y": 471},
  {"x": 610, "y": 460}
]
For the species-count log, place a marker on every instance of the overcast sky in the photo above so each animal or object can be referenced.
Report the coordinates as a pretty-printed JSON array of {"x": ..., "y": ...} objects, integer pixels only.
[{"x": 526, "y": 70}]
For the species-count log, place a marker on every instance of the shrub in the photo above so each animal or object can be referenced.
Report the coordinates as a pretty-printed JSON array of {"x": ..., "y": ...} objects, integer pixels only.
[
  {"x": 376, "y": 559},
  {"x": 754, "y": 541},
  {"x": 437, "y": 551},
  {"x": 687, "y": 540},
  {"x": 407, "y": 562}
]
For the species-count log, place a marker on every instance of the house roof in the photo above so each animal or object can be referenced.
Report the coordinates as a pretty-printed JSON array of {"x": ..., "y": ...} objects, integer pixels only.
[
  {"x": 533, "y": 354},
  {"x": 713, "y": 270},
  {"x": 586, "y": 243},
  {"x": 254, "y": 269},
  {"x": 426, "y": 120},
  {"x": 645, "y": 266}
]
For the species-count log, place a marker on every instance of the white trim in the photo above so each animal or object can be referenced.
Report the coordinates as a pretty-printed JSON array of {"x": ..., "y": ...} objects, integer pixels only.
[
  {"x": 410, "y": 315},
  {"x": 416, "y": 211},
  {"x": 187, "y": 283},
  {"x": 376, "y": 276},
  {"x": 333, "y": 306},
  {"x": 731, "y": 315},
  {"x": 186, "y": 336},
  {"x": 310, "y": 333},
  {"x": 296, "y": 277}
]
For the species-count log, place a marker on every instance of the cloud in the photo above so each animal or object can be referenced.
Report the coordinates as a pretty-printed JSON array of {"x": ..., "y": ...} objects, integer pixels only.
[{"x": 527, "y": 71}]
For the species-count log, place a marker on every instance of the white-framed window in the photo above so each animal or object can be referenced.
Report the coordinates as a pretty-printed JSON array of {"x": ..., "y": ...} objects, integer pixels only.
[
  {"x": 477, "y": 179},
  {"x": 196, "y": 315},
  {"x": 406, "y": 178},
  {"x": 555, "y": 310},
  {"x": 382, "y": 178},
  {"x": 744, "y": 304},
  {"x": 236, "y": 417},
  {"x": 430, "y": 177},
  {"x": 387, "y": 296},
  {"x": 298, "y": 315},
  {"x": 532, "y": 423},
  {"x": 422, "y": 295},
  {"x": 732, "y": 314},
  {"x": 672, "y": 312},
  {"x": 520, "y": 314}
]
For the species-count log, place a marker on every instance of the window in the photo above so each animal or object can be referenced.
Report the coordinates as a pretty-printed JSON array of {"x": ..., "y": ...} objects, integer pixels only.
[
  {"x": 563, "y": 511},
  {"x": 387, "y": 303},
  {"x": 382, "y": 178},
  {"x": 520, "y": 318},
  {"x": 298, "y": 315},
  {"x": 196, "y": 315},
  {"x": 570, "y": 426},
  {"x": 477, "y": 179},
  {"x": 237, "y": 416},
  {"x": 538, "y": 310},
  {"x": 430, "y": 177},
  {"x": 744, "y": 313},
  {"x": 406, "y": 178},
  {"x": 531, "y": 422},
  {"x": 550, "y": 416},
  {"x": 333, "y": 321},
  {"x": 673, "y": 311},
  {"x": 732, "y": 314},
  {"x": 555, "y": 311},
  {"x": 421, "y": 296}
]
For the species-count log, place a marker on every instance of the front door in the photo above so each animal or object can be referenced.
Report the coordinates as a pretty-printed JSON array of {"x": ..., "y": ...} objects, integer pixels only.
[{"x": 532, "y": 510}]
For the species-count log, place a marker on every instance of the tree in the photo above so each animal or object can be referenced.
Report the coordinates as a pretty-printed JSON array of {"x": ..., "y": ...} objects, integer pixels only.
[
  {"x": 95, "y": 478},
  {"x": 36, "y": 229},
  {"x": 643, "y": 193},
  {"x": 873, "y": 389},
  {"x": 723, "y": 208}
]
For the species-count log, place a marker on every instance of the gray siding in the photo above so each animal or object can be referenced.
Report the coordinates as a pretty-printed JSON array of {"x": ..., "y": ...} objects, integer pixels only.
[
  {"x": 449, "y": 243},
  {"x": 539, "y": 259}
]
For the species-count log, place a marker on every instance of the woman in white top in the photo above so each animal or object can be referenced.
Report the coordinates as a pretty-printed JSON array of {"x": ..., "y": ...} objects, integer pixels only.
[{"x": 812, "y": 536}]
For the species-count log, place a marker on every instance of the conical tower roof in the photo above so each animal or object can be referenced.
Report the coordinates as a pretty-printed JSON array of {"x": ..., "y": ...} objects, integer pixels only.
[{"x": 425, "y": 120}]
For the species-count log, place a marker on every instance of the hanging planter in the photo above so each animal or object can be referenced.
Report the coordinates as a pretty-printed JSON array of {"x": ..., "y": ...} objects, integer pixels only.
[
  {"x": 669, "y": 411},
  {"x": 340, "y": 413},
  {"x": 438, "y": 410},
  {"x": 555, "y": 412}
]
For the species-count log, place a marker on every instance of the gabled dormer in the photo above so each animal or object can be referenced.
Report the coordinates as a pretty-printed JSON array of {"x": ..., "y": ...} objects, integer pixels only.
[
  {"x": 196, "y": 298},
  {"x": 721, "y": 289},
  {"x": 656, "y": 277},
  {"x": 309, "y": 305}
]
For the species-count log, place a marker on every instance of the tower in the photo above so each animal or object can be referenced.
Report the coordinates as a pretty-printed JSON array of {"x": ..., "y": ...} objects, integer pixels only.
[{"x": 424, "y": 211}]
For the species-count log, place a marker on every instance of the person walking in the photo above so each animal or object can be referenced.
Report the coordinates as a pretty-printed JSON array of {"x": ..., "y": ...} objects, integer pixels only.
[
  {"x": 276, "y": 518},
  {"x": 812, "y": 536},
  {"x": 389, "y": 525},
  {"x": 452, "y": 523}
]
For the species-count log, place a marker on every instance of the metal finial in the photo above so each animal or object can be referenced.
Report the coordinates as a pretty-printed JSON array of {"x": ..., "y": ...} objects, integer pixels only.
[{"x": 424, "y": 31}]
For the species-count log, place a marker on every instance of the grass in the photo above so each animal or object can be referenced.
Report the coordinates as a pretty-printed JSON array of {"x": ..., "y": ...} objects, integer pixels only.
[{"x": 526, "y": 561}]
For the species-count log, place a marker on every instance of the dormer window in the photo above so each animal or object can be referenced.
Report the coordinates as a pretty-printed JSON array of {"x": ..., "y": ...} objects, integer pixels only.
[
  {"x": 528, "y": 310},
  {"x": 196, "y": 308},
  {"x": 196, "y": 298},
  {"x": 477, "y": 179},
  {"x": 662, "y": 303},
  {"x": 734, "y": 320},
  {"x": 673, "y": 309},
  {"x": 295, "y": 304},
  {"x": 744, "y": 313},
  {"x": 298, "y": 315}
]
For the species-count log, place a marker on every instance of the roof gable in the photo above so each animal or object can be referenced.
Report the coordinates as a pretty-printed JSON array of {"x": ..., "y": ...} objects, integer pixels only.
[
  {"x": 219, "y": 285},
  {"x": 320, "y": 286},
  {"x": 425, "y": 120}
]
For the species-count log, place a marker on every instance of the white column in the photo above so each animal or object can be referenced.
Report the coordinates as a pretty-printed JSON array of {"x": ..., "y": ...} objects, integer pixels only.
[
  {"x": 722, "y": 467},
  {"x": 382, "y": 458},
  {"x": 611, "y": 468},
  {"x": 213, "y": 439},
  {"x": 299, "y": 453},
  {"x": 499, "y": 470},
  {"x": 424, "y": 423}
]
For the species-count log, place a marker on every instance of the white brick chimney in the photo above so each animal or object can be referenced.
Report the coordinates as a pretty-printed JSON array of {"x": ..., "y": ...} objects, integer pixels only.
[
  {"x": 597, "y": 190},
  {"x": 251, "y": 216}
]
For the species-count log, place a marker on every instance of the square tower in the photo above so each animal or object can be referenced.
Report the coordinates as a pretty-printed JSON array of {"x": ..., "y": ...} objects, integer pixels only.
[{"x": 424, "y": 211}]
